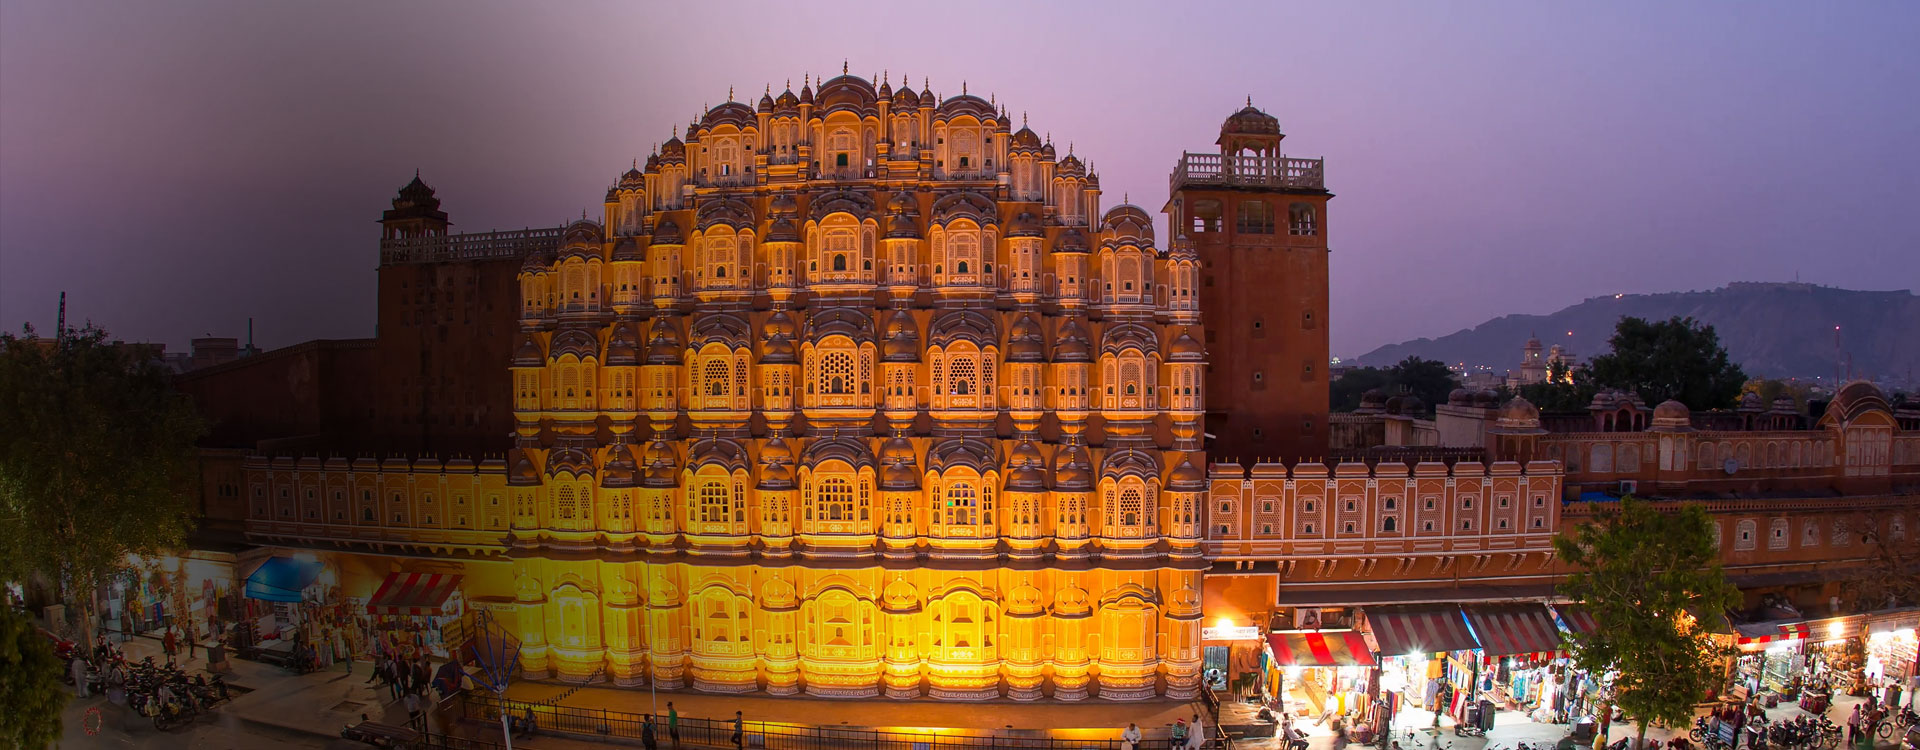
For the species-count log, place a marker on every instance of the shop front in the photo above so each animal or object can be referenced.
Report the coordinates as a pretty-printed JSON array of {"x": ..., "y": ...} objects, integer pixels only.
[
  {"x": 1322, "y": 673},
  {"x": 1523, "y": 667},
  {"x": 417, "y": 613},
  {"x": 188, "y": 591},
  {"x": 1892, "y": 654},
  {"x": 1428, "y": 661},
  {"x": 280, "y": 596},
  {"x": 1575, "y": 696}
]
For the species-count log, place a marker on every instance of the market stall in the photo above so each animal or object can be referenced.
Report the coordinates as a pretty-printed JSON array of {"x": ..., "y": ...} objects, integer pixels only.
[
  {"x": 1520, "y": 646},
  {"x": 416, "y": 612},
  {"x": 1413, "y": 633}
]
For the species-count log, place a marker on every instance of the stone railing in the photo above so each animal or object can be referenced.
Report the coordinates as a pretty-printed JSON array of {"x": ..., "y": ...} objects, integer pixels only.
[
  {"x": 1216, "y": 170},
  {"x": 512, "y": 244}
]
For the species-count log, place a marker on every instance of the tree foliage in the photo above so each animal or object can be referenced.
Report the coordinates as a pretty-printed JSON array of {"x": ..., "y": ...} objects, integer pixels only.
[
  {"x": 30, "y": 687},
  {"x": 1428, "y": 379},
  {"x": 1566, "y": 389},
  {"x": 97, "y": 461},
  {"x": 1653, "y": 583},
  {"x": 1675, "y": 359}
]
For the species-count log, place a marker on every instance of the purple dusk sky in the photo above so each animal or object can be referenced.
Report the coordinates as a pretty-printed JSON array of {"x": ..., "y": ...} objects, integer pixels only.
[{"x": 179, "y": 166}]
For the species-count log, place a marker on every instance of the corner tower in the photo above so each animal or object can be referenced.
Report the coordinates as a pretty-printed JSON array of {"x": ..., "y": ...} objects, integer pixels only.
[{"x": 1258, "y": 221}]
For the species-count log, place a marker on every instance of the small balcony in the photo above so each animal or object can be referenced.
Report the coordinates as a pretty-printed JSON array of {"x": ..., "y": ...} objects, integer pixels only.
[{"x": 1216, "y": 170}]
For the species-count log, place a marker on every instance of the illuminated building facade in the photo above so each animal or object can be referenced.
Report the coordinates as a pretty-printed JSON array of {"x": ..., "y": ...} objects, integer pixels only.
[{"x": 854, "y": 393}]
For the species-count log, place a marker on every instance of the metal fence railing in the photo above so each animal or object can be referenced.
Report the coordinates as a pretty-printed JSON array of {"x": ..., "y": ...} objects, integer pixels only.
[{"x": 598, "y": 723}]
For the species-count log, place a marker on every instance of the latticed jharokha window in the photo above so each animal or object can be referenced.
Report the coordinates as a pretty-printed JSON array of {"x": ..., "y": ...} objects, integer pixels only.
[
  {"x": 713, "y": 502},
  {"x": 1130, "y": 507},
  {"x": 716, "y": 373},
  {"x": 836, "y": 373},
  {"x": 565, "y": 503},
  {"x": 835, "y": 498},
  {"x": 962, "y": 505}
]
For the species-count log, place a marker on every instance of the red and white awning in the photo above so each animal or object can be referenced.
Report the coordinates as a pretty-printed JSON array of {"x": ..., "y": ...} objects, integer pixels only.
[
  {"x": 1514, "y": 629},
  {"x": 413, "y": 594},
  {"x": 1320, "y": 648},
  {"x": 1420, "y": 629}
]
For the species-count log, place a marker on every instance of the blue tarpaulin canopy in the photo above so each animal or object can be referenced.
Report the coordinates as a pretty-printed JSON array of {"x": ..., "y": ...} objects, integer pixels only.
[{"x": 281, "y": 579}]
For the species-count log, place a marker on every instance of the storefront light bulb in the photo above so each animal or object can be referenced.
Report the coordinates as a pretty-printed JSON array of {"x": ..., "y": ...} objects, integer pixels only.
[{"x": 1836, "y": 630}]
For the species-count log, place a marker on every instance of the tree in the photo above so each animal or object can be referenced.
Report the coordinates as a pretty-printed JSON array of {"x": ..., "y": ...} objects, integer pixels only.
[
  {"x": 29, "y": 683},
  {"x": 97, "y": 461},
  {"x": 1771, "y": 389},
  {"x": 1428, "y": 379},
  {"x": 1345, "y": 392},
  {"x": 1566, "y": 389},
  {"x": 1652, "y": 581},
  {"x": 1675, "y": 359}
]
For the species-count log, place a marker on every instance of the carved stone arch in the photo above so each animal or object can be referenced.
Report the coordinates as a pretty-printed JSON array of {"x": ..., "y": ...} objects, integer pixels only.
[
  {"x": 852, "y": 451},
  {"x": 968, "y": 205},
  {"x": 582, "y": 232},
  {"x": 574, "y": 580},
  {"x": 968, "y": 325},
  {"x": 1119, "y": 464},
  {"x": 962, "y": 452},
  {"x": 900, "y": 596},
  {"x": 731, "y": 212},
  {"x": 1121, "y": 337},
  {"x": 724, "y": 453},
  {"x": 778, "y": 594},
  {"x": 853, "y": 323},
  {"x": 726, "y": 328},
  {"x": 581, "y": 344},
  {"x": 856, "y": 204},
  {"x": 839, "y": 582}
]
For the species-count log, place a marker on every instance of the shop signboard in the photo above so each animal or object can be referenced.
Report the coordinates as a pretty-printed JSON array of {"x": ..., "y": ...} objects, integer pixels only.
[
  {"x": 1230, "y": 633},
  {"x": 1895, "y": 623}
]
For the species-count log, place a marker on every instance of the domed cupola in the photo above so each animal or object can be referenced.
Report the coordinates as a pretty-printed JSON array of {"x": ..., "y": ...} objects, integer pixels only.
[
  {"x": 776, "y": 465},
  {"x": 1027, "y": 472},
  {"x": 899, "y": 468},
  {"x": 902, "y": 227},
  {"x": 905, "y": 96},
  {"x": 1072, "y": 472},
  {"x": 661, "y": 465},
  {"x": 1186, "y": 349},
  {"x": 1025, "y": 225},
  {"x": 1673, "y": 416},
  {"x": 1024, "y": 139},
  {"x": 777, "y": 336},
  {"x": 1071, "y": 344},
  {"x": 1070, "y": 167},
  {"x": 1071, "y": 240},
  {"x": 528, "y": 353},
  {"x": 619, "y": 470},
  {"x": 786, "y": 103},
  {"x": 783, "y": 230},
  {"x": 1187, "y": 478},
  {"x": 1250, "y": 121},
  {"x": 902, "y": 339},
  {"x": 902, "y": 202},
  {"x": 667, "y": 232},
  {"x": 664, "y": 347},
  {"x": 623, "y": 347},
  {"x": 766, "y": 103},
  {"x": 1024, "y": 341},
  {"x": 674, "y": 151}
]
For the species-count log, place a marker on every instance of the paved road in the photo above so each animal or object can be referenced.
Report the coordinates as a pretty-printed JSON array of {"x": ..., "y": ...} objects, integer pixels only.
[{"x": 122, "y": 730}]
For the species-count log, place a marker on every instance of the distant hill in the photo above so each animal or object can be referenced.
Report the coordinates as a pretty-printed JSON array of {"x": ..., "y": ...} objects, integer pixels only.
[{"x": 1772, "y": 329}]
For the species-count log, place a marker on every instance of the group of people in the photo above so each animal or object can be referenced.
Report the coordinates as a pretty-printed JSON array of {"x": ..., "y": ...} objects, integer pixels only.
[
  {"x": 406, "y": 680},
  {"x": 652, "y": 742},
  {"x": 1183, "y": 735}
]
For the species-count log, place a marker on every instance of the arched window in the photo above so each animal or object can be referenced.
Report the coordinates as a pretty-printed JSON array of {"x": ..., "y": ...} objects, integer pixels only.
[
  {"x": 835, "y": 499},
  {"x": 713, "y": 500},
  {"x": 962, "y": 505},
  {"x": 1254, "y": 217},
  {"x": 836, "y": 372},
  {"x": 1130, "y": 507},
  {"x": 717, "y": 374},
  {"x": 1301, "y": 220}
]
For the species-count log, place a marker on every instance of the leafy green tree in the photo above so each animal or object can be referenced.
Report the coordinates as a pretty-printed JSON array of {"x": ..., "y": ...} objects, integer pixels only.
[
  {"x": 30, "y": 686},
  {"x": 97, "y": 461},
  {"x": 1345, "y": 391},
  {"x": 1428, "y": 379},
  {"x": 1771, "y": 389},
  {"x": 1566, "y": 389},
  {"x": 1672, "y": 359},
  {"x": 1653, "y": 583}
]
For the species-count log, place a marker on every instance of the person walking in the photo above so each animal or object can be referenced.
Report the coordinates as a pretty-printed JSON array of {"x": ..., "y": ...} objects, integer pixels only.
[
  {"x": 413, "y": 710},
  {"x": 1853, "y": 725},
  {"x": 169, "y": 644},
  {"x": 1196, "y": 734},
  {"x": 340, "y": 647},
  {"x": 1130, "y": 739},
  {"x": 646, "y": 734},
  {"x": 737, "y": 737},
  {"x": 394, "y": 678},
  {"x": 422, "y": 673},
  {"x": 673, "y": 725},
  {"x": 192, "y": 638},
  {"x": 78, "y": 668}
]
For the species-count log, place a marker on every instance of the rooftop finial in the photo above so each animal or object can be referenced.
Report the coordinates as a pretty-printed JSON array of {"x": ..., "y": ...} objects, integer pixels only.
[
  {"x": 963, "y": 87},
  {"x": 1023, "y": 119},
  {"x": 843, "y": 66},
  {"x": 416, "y": 173},
  {"x": 1249, "y": 100},
  {"x": 884, "y": 74},
  {"x": 729, "y": 93}
]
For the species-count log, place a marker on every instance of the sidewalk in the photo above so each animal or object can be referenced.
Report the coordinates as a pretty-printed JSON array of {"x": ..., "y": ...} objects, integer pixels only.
[
  {"x": 319, "y": 703},
  {"x": 1090, "y": 719}
]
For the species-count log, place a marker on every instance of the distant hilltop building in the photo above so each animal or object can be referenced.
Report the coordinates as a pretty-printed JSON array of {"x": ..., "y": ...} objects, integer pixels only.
[{"x": 1534, "y": 368}]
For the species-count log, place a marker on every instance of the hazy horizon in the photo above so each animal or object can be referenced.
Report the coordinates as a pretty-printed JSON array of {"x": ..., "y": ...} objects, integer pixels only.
[{"x": 179, "y": 168}]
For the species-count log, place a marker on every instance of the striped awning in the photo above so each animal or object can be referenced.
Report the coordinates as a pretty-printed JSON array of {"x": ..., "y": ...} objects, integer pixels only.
[
  {"x": 413, "y": 594},
  {"x": 1514, "y": 629},
  {"x": 1320, "y": 648},
  {"x": 1578, "y": 618},
  {"x": 1419, "y": 629},
  {"x": 1760, "y": 636}
]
